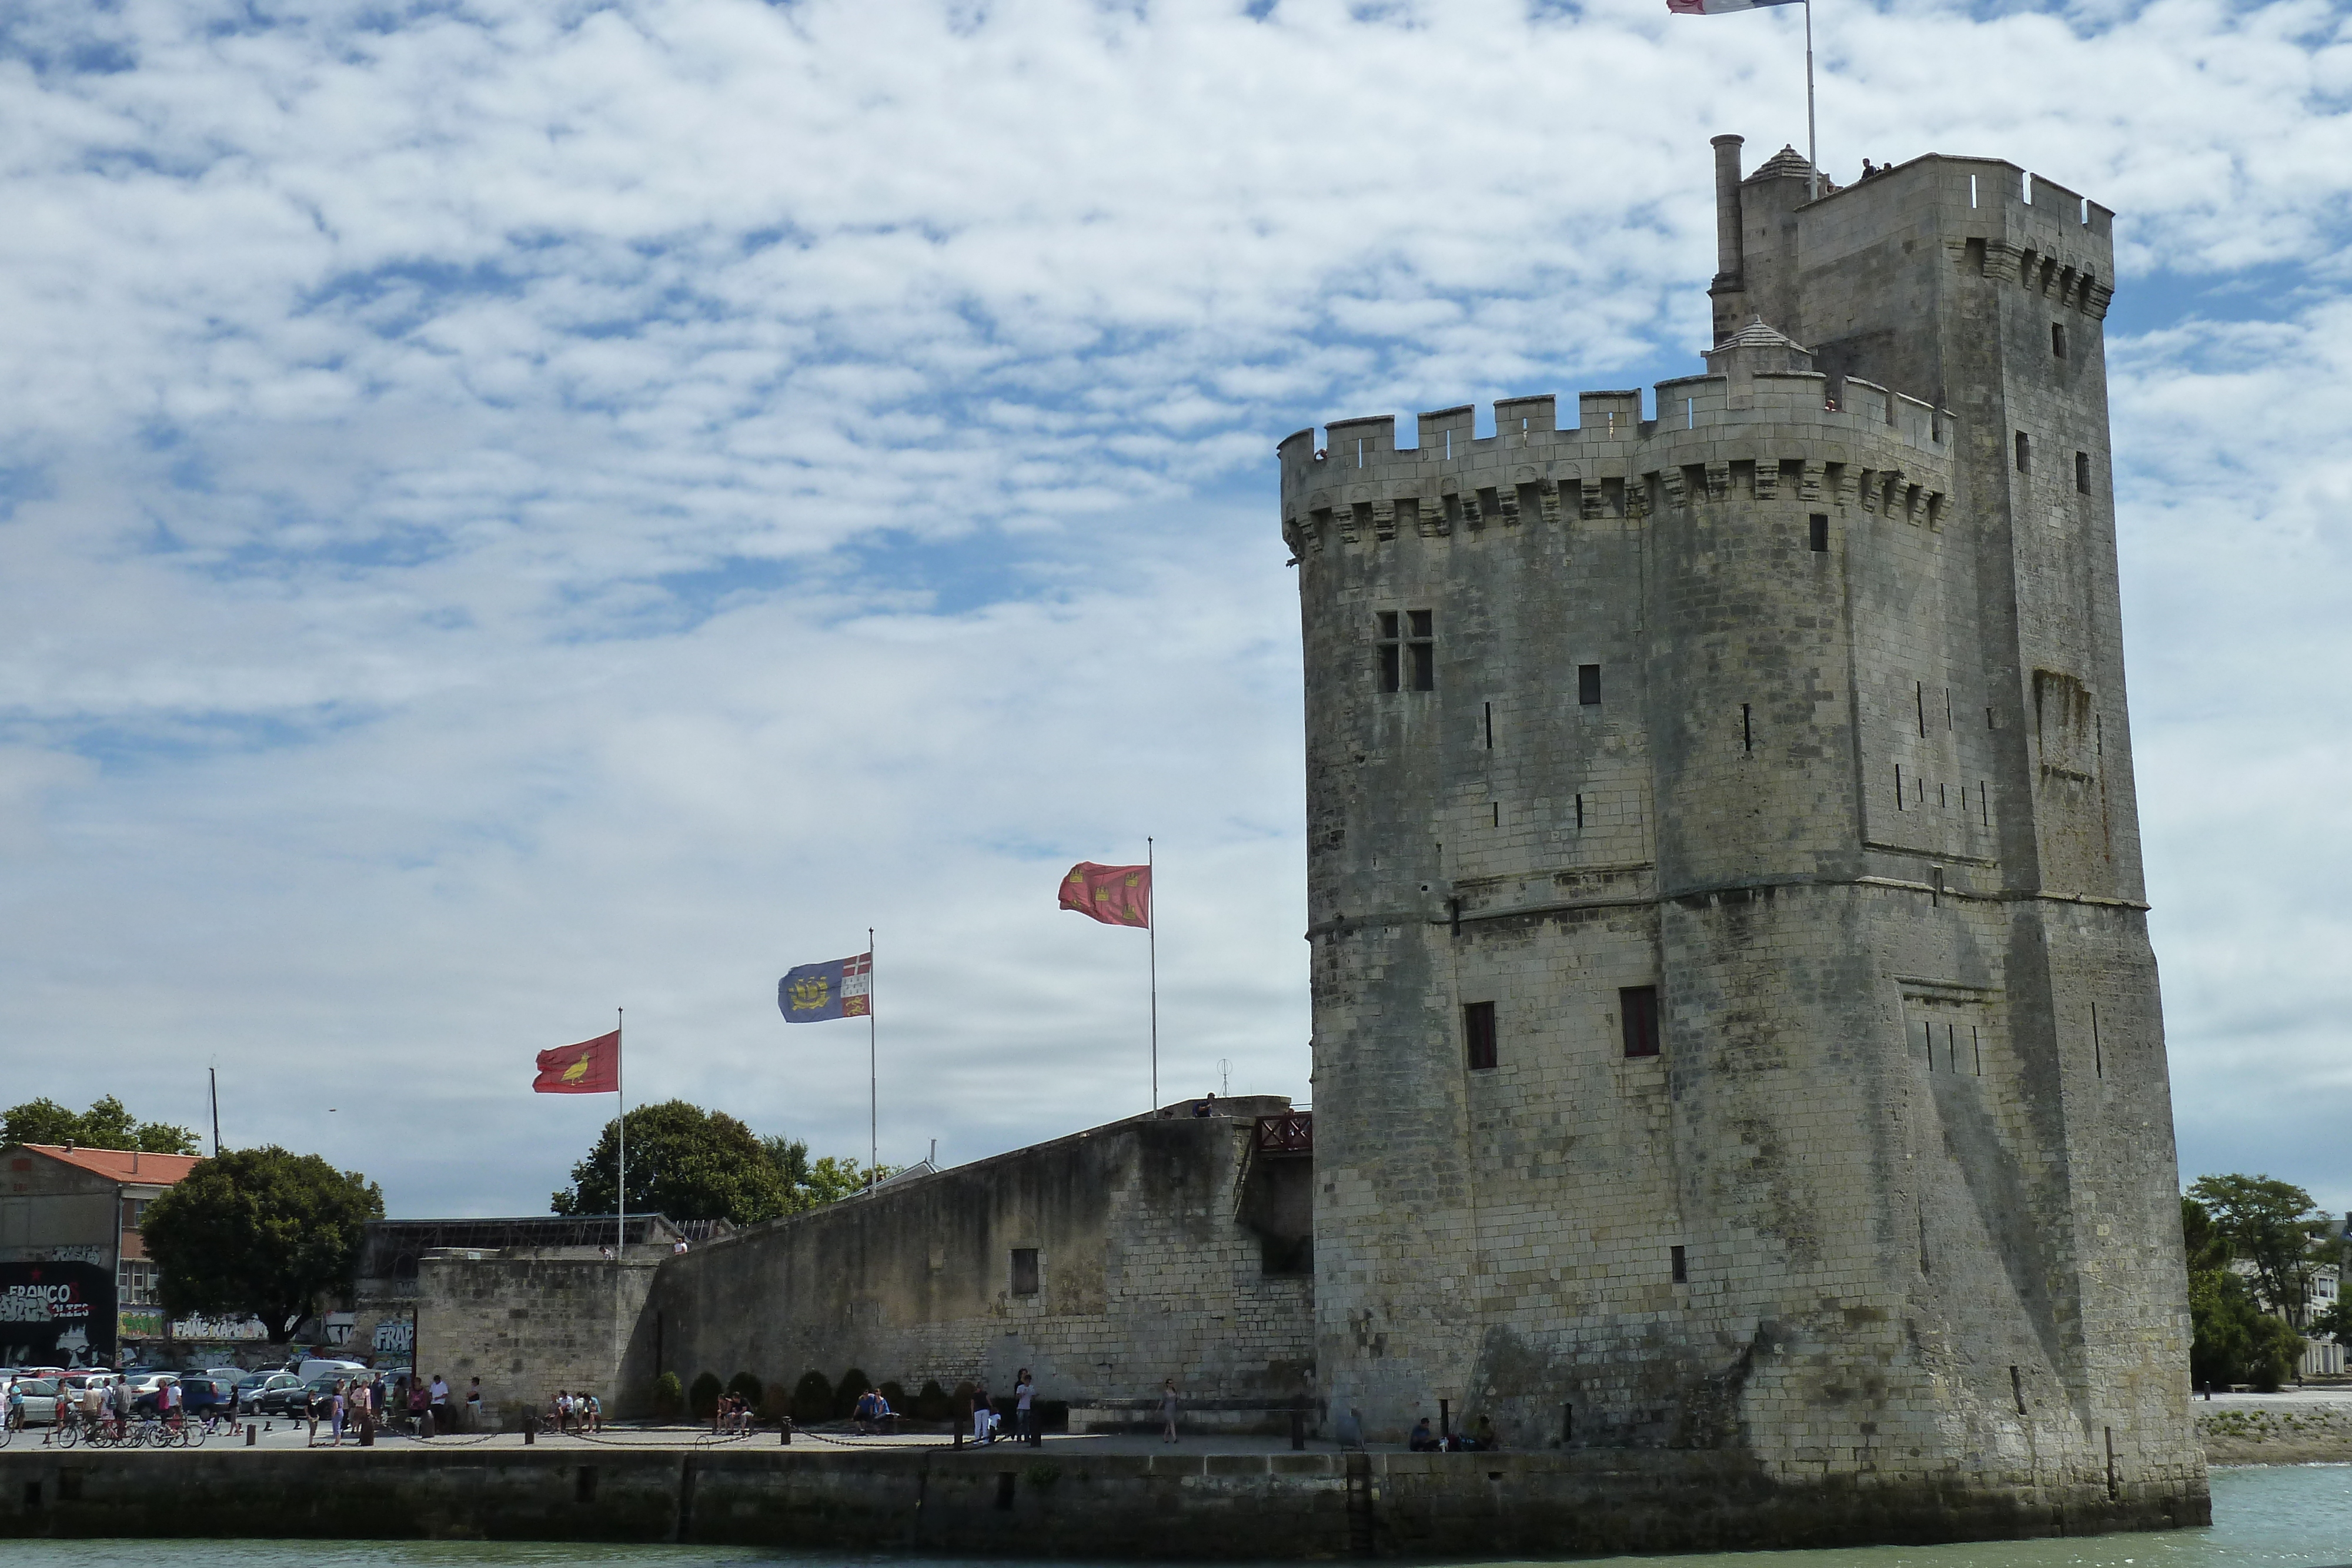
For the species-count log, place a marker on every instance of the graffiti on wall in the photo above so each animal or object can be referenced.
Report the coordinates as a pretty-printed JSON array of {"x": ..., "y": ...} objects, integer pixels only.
[
  {"x": 56, "y": 1315},
  {"x": 395, "y": 1334}
]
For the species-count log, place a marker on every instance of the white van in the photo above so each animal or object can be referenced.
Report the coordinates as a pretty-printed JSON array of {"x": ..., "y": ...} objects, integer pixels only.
[{"x": 315, "y": 1367}]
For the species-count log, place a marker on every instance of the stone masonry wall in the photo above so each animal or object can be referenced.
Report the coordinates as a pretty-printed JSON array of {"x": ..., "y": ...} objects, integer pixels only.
[
  {"x": 1146, "y": 1270},
  {"x": 530, "y": 1322}
]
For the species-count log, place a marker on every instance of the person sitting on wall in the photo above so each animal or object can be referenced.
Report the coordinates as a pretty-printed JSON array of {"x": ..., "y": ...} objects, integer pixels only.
[
  {"x": 1484, "y": 1428},
  {"x": 874, "y": 1414},
  {"x": 1422, "y": 1440},
  {"x": 591, "y": 1412}
]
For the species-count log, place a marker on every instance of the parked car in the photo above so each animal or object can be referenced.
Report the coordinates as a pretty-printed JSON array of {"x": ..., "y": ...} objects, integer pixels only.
[
  {"x": 202, "y": 1395},
  {"x": 282, "y": 1395}
]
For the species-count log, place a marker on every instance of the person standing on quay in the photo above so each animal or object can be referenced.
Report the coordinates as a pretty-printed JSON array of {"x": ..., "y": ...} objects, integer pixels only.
[
  {"x": 474, "y": 1405},
  {"x": 1168, "y": 1411},
  {"x": 439, "y": 1406},
  {"x": 1024, "y": 1420}
]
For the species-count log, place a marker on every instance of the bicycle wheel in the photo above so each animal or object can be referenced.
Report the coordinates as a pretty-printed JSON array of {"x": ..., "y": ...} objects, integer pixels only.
[
  {"x": 192, "y": 1434},
  {"x": 69, "y": 1433}
]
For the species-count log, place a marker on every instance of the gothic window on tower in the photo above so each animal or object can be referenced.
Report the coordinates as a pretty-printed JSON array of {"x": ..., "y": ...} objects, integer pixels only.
[{"x": 1408, "y": 651}]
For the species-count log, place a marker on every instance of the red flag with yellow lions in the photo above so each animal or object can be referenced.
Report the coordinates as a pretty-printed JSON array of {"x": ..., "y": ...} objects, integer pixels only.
[
  {"x": 591, "y": 1067},
  {"x": 1114, "y": 894}
]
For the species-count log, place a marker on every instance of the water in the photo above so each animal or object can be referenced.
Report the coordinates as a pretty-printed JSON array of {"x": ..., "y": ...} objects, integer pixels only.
[{"x": 2281, "y": 1516}]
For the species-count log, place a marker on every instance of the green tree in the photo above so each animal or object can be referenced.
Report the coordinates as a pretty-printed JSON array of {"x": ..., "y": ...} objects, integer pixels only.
[
  {"x": 684, "y": 1162},
  {"x": 106, "y": 1124},
  {"x": 2272, "y": 1225},
  {"x": 259, "y": 1232},
  {"x": 692, "y": 1164}
]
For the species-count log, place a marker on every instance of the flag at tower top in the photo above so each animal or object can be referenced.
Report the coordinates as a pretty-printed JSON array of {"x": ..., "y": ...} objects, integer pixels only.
[{"x": 1712, "y": 7}]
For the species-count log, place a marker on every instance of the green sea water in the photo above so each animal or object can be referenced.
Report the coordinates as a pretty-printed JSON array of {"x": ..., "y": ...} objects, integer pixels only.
[{"x": 2282, "y": 1516}]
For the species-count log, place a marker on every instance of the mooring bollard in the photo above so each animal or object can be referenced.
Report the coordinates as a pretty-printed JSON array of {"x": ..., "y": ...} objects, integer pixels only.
[
  {"x": 252, "y": 1433},
  {"x": 1299, "y": 1428},
  {"x": 530, "y": 1436},
  {"x": 784, "y": 1431},
  {"x": 367, "y": 1434}
]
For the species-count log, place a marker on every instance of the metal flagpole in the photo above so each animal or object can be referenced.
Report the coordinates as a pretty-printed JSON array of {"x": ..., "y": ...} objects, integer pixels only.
[
  {"x": 1813, "y": 136},
  {"x": 621, "y": 1094},
  {"x": 872, "y": 1078},
  {"x": 1151, "y": 938}
]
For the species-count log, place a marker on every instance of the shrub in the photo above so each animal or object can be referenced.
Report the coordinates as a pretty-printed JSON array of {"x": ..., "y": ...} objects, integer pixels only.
[
  {"x": 775, "y": 1402},
  {"x": 895, "y": 1394},
  {"x": 931, "y": 1403},
  {"x": 703, "y": 1397},
  {"x": 960, "y": 1402},
  {"x": 846, "y": 1392},
  {"x": 669, "y": 1397},
  {"x": 812, "y": 1398},
  {"x": 746, "y": 1387}
]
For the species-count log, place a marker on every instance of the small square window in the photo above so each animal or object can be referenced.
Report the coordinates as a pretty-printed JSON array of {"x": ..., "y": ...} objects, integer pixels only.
[
  {"x": 1478, "y": 1034},
  {"x": 1388, "y": 624},
  {"x": 1681, "y": 1267},
  {"x": 2083, "y": 472},
  {"x": 1637, "y": 1011},
  {"x": 2058, "y": 339},
  {"x": 1588, "y": 684},
  {"x": 1424, "y": 666},
  {"x": 1818, "y": 535},
  {"x": 1419, "y": 620},
  {"x": 2024, "y": 454},
  {"x": 1024, "y": 1271}
]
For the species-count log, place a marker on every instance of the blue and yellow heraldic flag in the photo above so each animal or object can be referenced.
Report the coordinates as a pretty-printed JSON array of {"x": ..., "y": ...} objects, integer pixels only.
[{"x": 840, "y": 988}]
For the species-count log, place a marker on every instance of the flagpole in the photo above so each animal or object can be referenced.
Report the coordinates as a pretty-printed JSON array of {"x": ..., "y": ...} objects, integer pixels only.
[
  {"x": 1151, "y": 942},
  {"x": 1813, "y": 136},
  {"x": 872, "y": 1078},
  {"x": 621, "y": 1095}
]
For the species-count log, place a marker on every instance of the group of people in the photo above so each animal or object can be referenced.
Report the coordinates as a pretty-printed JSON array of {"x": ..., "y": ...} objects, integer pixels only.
[
  {"x": 731, "y": 1414},
  {"x": 1479, "y": 1439},
  {"x": 987, "y": 1425},
  {"x": 567, "y": 1412}
]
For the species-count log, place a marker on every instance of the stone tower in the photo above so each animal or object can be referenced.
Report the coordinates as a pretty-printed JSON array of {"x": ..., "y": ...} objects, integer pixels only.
[{"x": 1734, "y": 1023}]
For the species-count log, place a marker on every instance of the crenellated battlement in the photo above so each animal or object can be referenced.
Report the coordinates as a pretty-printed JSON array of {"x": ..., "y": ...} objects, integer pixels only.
[{"x": 1859, "y": 442}]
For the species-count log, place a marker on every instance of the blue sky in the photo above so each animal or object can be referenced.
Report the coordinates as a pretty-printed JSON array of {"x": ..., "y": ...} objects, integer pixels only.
[{"x": 511, "y": 509}]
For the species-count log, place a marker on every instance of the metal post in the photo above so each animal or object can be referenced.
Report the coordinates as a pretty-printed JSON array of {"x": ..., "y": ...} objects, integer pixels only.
[
  {"x": 1151, "y": 938},
  {"x": 873, "y": 1080},
  {"x": 1813, "y": 136},
  {"x": 621, "y": 1095}
]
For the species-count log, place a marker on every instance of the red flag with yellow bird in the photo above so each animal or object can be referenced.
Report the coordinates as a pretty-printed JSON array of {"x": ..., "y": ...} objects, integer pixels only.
[{"x": 591, "y": 1067}]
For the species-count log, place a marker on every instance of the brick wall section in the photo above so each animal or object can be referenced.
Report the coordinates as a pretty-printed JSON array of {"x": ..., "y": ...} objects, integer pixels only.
[
  {"x": 1145, "y": 1272},
  {"x": 1864, "y": 815}
]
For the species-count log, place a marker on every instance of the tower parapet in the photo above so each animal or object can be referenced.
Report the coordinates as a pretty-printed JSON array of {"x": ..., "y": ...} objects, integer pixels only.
[{"x": 1735, "y": 1026}]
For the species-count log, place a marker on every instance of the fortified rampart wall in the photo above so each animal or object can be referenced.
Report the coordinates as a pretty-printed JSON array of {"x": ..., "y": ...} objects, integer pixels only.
[{"x": 1104, "y": 1262}]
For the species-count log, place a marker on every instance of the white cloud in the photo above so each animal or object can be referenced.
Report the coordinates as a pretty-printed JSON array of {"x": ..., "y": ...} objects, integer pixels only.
[{"x": 519, "y": 505}]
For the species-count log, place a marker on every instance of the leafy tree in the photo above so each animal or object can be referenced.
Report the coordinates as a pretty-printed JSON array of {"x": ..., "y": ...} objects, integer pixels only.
[
  {"x": 259, "y": 1232},
  {"x": 669, "y": 1397},
  {"x": 692, "y": 1164},
  {"x": 684, "y": 1162},
  {"x": 2272, "y": 1225},
  {"x": 106, "y": 1124}
]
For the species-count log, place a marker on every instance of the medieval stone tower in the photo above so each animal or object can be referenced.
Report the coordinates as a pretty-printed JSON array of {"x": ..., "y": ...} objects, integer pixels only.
[{"x": 1735, "y": 1022}]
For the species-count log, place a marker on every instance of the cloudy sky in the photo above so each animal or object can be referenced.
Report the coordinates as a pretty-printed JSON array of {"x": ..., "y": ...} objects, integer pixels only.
[{"x": 514, "y": 507}]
